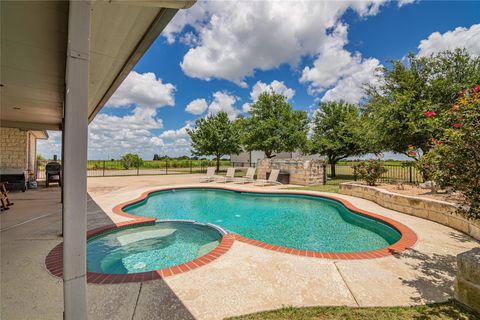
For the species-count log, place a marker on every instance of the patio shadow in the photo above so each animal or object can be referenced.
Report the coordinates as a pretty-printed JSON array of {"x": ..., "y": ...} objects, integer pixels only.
[
  {"x": 437, "y": 271},
  {"x": 146, "y": 300}
]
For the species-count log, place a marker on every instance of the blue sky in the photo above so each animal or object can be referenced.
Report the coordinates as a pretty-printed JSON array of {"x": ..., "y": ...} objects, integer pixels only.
[{"x": 220, "y": 55}]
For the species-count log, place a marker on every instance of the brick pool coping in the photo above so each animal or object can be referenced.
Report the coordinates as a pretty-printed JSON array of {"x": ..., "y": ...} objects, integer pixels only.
[{"x": 54, "y": 260}]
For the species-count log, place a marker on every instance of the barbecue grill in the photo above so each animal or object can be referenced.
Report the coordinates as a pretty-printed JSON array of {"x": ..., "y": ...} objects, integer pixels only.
[{"x": 53, "y": 172}]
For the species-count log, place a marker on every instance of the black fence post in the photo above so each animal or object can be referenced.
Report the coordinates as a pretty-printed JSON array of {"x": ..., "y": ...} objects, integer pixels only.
[
  {"x": 410, "y": 173},
  {"x": 324, "y": 168},
  {"x": 138, "y": 169},
  {"x": 190, "y": 166},
  {"x": 103, "y": 174},
  {"x": 166, "y": 166}
]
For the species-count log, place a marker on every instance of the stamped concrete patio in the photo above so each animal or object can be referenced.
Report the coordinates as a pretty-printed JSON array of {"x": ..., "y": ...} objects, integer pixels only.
[{"x": 246, "y": 279}]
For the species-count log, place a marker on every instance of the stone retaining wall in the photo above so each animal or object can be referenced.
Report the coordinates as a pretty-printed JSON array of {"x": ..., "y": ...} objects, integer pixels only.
[
  {"x": 430, "y": 209},
  {"x": 467, "y": 283},
  {"x": 302, "y": 172}
]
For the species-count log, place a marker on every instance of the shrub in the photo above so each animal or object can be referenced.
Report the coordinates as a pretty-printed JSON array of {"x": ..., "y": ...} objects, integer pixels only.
[
  {"x": 131, "y": 160},
  {"x": 456, "y": 156},
  {"x": 369, "y": 171}
]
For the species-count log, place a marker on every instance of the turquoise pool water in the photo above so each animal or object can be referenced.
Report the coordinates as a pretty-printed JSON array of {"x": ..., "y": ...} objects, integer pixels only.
[
  {"x": 148, "y": 248},
  {"x": 293, "y": 221}
]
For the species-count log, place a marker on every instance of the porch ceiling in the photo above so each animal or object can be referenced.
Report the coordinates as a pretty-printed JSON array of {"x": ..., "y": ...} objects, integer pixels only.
[{"x": 34, "y": 49}]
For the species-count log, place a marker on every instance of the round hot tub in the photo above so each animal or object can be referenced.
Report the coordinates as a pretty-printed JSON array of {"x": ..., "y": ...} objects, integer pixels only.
[{"x": 148, "y": 248}]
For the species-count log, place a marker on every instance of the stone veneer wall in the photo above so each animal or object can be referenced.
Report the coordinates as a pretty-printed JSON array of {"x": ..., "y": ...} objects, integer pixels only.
[
  {"x": 430, "y": 209},
  {"x": 467, "y": 282},
  {"x": 302, "y": 172},
  {"x": 13, "y": 148}
]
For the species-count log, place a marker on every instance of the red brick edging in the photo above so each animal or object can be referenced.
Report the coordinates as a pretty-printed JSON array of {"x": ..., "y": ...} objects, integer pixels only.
[
  {"x": 407, "y": 240},
  {"x": 54, "y": 260}
]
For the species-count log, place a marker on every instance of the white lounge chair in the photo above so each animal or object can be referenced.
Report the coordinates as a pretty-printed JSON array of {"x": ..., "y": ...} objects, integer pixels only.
[
  {"x": 272, "y": 179},
  {"x": 228, "y": 177},
  {"x": 248, "y": 176},
  {"x": 210, "y": 175}
]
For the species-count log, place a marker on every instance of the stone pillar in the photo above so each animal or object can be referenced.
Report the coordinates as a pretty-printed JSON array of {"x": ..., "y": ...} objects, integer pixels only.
[{"x": 467, "y": 283}]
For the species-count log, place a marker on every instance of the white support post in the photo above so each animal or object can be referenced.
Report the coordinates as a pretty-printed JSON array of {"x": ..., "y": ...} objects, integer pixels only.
[{"x": 75, "y": 161}]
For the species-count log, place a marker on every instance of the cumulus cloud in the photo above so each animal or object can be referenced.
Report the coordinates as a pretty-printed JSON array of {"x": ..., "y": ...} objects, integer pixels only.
[
  {"x": 177, "y": 134},
  {"x": 143, "y": 90},
  {"x": 235, "y": 38},
  {"x": 275, "y": 86},
  {"x": 338, "y": 72},
  {"x": 223, "y": 101},
  {"x": 260, "y": 87},
  {"x": 402, "y": 3},
  {"x": 468, "y": 38},
  {"x": 197, "y": 106}
]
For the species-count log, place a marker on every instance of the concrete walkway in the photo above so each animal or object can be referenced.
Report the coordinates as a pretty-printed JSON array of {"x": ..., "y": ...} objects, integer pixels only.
[{"x": 246, "y": 279}]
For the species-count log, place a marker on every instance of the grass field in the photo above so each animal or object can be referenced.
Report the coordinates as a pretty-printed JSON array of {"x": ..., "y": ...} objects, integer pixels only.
[{"x": 439, "y": 311}]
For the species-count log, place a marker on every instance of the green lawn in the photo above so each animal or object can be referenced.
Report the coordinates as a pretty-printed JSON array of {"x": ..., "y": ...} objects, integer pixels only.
[
  {"x": 331, "y": 186},
  {"x": 439, "y": 311}
]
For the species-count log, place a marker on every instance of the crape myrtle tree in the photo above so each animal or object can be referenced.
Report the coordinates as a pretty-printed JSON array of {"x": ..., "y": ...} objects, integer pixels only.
[
  {"x": 338, "y": 132},
  {"x": 215, "y": 135},
  {"x": 273, "y": 126},
  {"x": 404, "y": 108},
  {"x": 455, "y": 157}
]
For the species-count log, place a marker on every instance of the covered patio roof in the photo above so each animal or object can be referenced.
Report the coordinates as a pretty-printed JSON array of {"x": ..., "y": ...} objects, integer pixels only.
[
  {"x": 61, "y": 61},
  {"x": 34, "y": 54}
]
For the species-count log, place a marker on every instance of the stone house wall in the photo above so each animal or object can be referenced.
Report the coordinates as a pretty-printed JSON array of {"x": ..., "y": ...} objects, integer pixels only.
[
  {"x": 18, "y": 149},
  {"x": 302, "y": 172},
  {"x": 13, "y": 148}
]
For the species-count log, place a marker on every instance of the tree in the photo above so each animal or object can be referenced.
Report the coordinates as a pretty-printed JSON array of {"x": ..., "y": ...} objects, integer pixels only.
[
  {"x": 274, "y": 126},
  {"x": 337, "y": 132},
  {"x": 156, "y": 157},
  {"x": 455, "y": 157},
  {"x": 130, "y": 160},
  {"x": 413, "y": 93},
  {"x": 215, "y": 135}
]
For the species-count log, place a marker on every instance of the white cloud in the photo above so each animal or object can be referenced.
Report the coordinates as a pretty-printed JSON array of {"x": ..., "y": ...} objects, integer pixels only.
[
  {"x": 222, "y": 101},
  {"x": 52, "y": 146},
  {"x": 275, "y": 86},
  {"x": 197, "y": 106},
  {"x": 402, "y": 3},
  {"x": 177, "y": 134},
  {"x": 143, "y": 90},
  {"x": 468, "y": 38},
  {"x": 338, "y": 72},
  {"x": 235, "y": 38},
  {"x": 260, "y": 87}
]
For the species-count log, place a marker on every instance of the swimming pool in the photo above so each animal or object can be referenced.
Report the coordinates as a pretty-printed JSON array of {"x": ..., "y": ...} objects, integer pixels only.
[
  {"x": 147, "y": 248},
  {"x": 294, "y": 221}
]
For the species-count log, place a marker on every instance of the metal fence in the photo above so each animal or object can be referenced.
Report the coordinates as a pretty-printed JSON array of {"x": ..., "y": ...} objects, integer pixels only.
[
  {"x": 110, "y": 168},
  {"x": 395, "y": 173}
]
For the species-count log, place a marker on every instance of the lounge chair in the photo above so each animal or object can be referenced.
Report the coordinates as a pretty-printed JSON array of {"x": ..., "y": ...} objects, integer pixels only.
[
  {"x": 210, "y": 175},
  {"x": 272, "y": 179},
  {"x": 228, "y": 177},
  {"x": 5, "y": 202},
  {"x": 247, "y": 178}
]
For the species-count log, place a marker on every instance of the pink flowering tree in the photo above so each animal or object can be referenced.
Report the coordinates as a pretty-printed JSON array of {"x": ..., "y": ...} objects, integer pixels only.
[{"x": 455, "y": 156}]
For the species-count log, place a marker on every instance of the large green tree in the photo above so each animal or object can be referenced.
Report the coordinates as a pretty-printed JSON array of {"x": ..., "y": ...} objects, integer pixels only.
[
  {"x": 215, "y": 135},
  {"x": 403, "y": 109},
  {"x": 338, "y": 132},
  {"x": 274, "y": 126}
]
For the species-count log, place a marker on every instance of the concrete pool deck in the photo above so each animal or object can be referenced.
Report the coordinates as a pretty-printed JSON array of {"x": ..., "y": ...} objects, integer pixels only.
[{"x": 245, "y": 279}]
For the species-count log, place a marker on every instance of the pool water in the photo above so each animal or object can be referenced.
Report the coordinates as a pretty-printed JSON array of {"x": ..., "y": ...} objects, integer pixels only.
[
  {"x": 148, "y": 248},
  {"x": 293, "y": 221}
]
